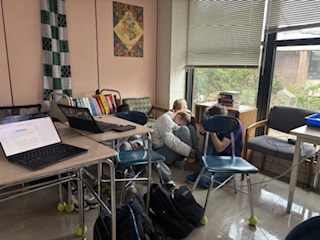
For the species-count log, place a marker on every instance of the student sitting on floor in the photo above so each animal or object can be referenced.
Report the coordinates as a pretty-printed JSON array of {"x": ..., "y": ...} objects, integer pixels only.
[
  {"x": 217, "y": 145},
  {"x": 171, "y": 138},
  {"x": 181, "y": 104}
]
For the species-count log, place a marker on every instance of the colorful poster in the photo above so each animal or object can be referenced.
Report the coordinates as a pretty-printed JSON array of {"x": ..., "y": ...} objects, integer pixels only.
[{"x": 128, "y": 30}]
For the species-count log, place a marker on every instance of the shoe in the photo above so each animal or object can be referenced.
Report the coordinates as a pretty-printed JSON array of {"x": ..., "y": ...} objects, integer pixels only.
[
  {"x": 192, "y": 178},
  {"x": 130, "y": 191},
  {"x": 170, "y": 182},
  {"x": 90, "y": 199},
  {"x": 75, "y": 201},
  {"x": 191, "y": 166}
]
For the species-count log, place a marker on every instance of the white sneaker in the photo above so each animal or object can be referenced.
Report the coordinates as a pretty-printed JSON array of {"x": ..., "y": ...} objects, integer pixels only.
[
  {"x": 90, "y": 199},
  {"x": 75, "y": 201}
]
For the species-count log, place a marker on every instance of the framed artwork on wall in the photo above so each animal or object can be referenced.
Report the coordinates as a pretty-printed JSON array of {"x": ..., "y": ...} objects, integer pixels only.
[{"x": 127, "y": 30}]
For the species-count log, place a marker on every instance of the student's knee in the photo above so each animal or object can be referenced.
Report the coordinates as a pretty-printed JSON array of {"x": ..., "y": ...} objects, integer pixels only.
[
  {"x": 125, "y": 146},
  {"x": 183, "y": 131}
]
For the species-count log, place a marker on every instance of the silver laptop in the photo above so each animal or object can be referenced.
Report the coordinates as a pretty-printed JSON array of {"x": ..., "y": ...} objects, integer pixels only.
[{"x": 32, "y": 141}]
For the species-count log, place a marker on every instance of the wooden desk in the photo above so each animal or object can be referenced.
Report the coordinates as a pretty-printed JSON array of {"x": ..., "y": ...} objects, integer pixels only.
[
  {"x": 12, "y": 174},
  {"x": 304, "y": 134}
]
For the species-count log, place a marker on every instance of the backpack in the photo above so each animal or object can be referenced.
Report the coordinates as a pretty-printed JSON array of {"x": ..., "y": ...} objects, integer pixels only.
[
  {"x": 131, "y": 219},
  {"x": 175, "y": 209}
]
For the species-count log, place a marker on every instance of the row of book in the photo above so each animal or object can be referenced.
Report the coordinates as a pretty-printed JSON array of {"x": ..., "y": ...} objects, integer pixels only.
[
  {"x": 229, "y": 98},
  {"x": 98, "y": 104}
]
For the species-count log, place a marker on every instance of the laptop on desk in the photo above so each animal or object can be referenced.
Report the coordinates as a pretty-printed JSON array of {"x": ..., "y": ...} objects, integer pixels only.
[
  {"x": 31, "y": 140},
  {"x": 82, "y": 119}
]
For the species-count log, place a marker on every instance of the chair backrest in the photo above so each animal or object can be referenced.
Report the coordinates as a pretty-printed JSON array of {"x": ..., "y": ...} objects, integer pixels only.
[
  {"x": 133, "y": 116},
  {"x": 221, "y": 124},
  {"x": 20, "y": 109},
  {"x": 284, "y": 119},
  {"x": 142, "y": 104}
]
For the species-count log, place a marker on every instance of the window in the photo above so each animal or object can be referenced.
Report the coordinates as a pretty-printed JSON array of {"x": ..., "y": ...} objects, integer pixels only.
[
  {"x": 292, "y": 85},
  {"x": 209, "y": 82}
]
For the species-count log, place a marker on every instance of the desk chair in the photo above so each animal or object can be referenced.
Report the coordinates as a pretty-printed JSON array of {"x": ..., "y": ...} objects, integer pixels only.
[
  {"x": 282, "y": 119},
  {"x": 127, "y": 159},
  {"x": 225, "y": 164}
]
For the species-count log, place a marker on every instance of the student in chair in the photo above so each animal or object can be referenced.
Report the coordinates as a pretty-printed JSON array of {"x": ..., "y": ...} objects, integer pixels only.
[{"x": 217, "y": 145}]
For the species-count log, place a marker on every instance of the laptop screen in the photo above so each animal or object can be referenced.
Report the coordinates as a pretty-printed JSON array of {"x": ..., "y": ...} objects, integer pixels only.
[{"x": 27, "y": 132}]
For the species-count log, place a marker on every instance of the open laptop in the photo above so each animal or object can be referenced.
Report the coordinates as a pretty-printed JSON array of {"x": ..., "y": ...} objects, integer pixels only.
[
  {"x": 32, "y": 141},
  {"x": 82, "y": 119}
]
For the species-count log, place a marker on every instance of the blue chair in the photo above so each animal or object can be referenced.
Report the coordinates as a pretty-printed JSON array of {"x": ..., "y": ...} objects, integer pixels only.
[
  {"x": 225, "y": 164},
  {"x": 127, "y": 159}
]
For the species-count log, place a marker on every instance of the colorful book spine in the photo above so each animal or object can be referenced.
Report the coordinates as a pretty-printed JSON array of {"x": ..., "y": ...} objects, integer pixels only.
[
  {"x": 96, "y": 105},
  {"x": 97, "y": 97},
  {"x": 94, "y": 112},
  {"x": 104, "y": 103},
  {"x": 109, "y": 102}
]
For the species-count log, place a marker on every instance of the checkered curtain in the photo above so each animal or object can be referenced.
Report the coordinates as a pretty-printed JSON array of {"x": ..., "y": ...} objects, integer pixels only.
[{"x": 55, "y": 50}]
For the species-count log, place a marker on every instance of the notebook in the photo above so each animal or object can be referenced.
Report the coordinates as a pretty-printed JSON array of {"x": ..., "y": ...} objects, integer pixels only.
[
  {"x": 31, "y": 140},
  {"x": 82, "y": 119}
]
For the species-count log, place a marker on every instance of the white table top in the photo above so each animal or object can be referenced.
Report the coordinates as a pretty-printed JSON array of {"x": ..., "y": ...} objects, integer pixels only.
[
  {"x": 310, "y": 134},
  {"x": 11, "y": 174},
  {"x": 112, "y": 135}
]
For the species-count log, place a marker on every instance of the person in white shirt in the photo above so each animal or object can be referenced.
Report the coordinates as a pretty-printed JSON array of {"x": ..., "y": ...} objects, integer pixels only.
[{"x": 171, "y": 138}]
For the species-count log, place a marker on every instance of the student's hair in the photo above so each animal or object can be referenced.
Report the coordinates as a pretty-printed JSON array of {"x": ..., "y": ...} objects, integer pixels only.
[
  {"x": 177, "y": 105},
  {"x": 216, "y": 109},
  {"x": 183, "y": 115},
  {"x": 123, "y": 108}
]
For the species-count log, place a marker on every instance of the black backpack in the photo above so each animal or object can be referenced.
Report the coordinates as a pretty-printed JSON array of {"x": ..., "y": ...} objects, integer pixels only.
[
  {"x": 175, "y": 209},
  {"x": 132, "y": 222}
]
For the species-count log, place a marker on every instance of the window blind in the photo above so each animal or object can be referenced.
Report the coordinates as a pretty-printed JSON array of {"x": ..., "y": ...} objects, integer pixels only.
[
  {"x": 224, "y": 33},
  {"x": 292, "y": 15}
]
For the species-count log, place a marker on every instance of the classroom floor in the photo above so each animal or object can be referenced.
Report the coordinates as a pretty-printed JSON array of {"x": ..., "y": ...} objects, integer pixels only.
[{"x": 34, "y": 216}]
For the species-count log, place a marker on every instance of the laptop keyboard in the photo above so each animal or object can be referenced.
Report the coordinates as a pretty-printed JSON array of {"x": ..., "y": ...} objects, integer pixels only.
[{"x": 45, "y": 156}]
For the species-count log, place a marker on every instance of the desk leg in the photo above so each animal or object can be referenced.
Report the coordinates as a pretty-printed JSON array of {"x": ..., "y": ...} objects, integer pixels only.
[
  {"x": 149, "y": 174},
  {"x": 316, "y": 173},
  {"x": 81, "y": 202},
  {"x": 294, "y": 173}
]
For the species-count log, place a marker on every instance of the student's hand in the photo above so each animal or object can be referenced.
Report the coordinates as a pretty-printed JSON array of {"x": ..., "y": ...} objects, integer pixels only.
[
  {"x": 192, "y": 153},
  {"x": 135, "y": 146}
]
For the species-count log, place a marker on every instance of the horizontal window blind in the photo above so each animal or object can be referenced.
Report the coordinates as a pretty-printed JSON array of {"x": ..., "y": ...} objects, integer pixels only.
[
  {"x": 291, "y": 15},
  {"x": 225, "y": 33}
]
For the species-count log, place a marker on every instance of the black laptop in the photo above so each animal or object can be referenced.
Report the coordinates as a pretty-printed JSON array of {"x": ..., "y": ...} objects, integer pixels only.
[
  {"x": 82, "y": 119},
  {"x": 32, "y": 141}
]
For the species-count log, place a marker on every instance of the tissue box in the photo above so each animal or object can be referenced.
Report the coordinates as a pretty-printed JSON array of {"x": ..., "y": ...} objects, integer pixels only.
[{"x": 313, "y": 120}]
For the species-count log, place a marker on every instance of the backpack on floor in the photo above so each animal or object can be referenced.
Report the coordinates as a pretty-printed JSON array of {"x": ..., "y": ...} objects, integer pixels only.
[
  {"x": 175, "y": 209},
  {"x": 132, "y": 222}
]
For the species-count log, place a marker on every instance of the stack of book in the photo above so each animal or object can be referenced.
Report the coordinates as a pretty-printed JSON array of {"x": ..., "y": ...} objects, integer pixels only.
[{"x": 229, "y": 98}]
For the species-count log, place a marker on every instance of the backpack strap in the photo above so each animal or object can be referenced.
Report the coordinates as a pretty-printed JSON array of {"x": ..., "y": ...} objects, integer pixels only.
[
  {"x": 134, "y": 221},
  {"x": 139, "y": 206}
]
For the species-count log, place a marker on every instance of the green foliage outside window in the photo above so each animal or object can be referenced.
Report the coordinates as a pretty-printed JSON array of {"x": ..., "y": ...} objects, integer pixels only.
[{"x": 210, "y": 81}]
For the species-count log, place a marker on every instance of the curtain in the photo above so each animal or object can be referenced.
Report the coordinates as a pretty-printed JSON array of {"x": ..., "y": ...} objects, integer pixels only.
[
  {"x": 225, "y": 33},
  {"x": 55, "y": 50}
]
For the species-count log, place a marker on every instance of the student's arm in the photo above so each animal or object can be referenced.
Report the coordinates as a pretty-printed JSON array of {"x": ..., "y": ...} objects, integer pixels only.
[{"x": 219, "y": 146}]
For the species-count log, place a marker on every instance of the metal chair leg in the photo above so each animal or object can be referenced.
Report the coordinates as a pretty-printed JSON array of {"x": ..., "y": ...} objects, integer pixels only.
[
  {"x": 250, "y": 195},
  {"x": 208, "y": 194},
  {"x": 198, "y": 178},
  {"x": 125, "y": 174}
]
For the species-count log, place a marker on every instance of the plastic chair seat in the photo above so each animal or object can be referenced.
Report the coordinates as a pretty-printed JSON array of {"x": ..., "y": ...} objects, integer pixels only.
[
  {"x": 228, "y": 164},
  {"x": 137, "y": 157}
]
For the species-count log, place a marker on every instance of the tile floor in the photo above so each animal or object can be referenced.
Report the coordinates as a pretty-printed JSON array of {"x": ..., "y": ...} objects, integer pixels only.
[{"x": 34, "y": 216}]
